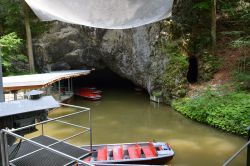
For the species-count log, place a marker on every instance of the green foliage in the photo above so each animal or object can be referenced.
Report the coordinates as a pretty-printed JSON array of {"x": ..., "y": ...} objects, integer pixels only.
[
  {"x": 241, "y": 42},
  {"x": 174, "y": 80},
  {"x": 204, "y": 5},
  {"x": 227, "y": 111},
  {"x": 10, "y": 16},
  {"x": 242, "y": 74},
  {"x": 10, "y": 45},
  {"x": 11, "y": 19},
  {"x": 208, "y": 66}
]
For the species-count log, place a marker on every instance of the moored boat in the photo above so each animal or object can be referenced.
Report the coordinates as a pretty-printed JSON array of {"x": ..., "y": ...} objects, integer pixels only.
[
  {"x": 131, "y": 153},
  {"x": 89, "y": 93}
]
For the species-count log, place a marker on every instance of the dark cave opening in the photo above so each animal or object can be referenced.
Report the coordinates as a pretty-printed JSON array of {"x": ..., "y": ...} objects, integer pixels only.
[
  {"x": 192, "y": 74},
  {"x": 103, "y": 79}
]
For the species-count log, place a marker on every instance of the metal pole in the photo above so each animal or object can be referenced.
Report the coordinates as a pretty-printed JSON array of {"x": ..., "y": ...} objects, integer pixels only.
[
  {"x": 42, "y": 129},
  {"x": 59, "y": 87},
  {"x": 69, "y": 85},
  {"x": 248, "y": 147},
  {"x": 1, "y": 78},
  {"x": 2, "y": 149},
  {"x": 6, "y": 148},
  {"x": 90, "y": 130},
  {"x": 15, "y": 95}
]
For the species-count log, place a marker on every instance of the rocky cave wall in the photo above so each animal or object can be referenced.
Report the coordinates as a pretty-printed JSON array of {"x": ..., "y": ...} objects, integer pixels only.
[{"x": 130, "y": 53}]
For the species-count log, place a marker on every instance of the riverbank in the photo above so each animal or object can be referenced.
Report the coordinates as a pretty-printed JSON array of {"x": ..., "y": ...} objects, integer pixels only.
[{"x": 228, "y": 111}]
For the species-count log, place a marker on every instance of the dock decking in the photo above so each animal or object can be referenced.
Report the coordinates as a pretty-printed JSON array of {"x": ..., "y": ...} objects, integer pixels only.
[{"x": 44, "y": 157}]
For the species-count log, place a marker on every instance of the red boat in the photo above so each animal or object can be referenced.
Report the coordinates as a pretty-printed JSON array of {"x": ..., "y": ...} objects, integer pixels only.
[
  {"x": 89, "y": 93},
  {"x": 157, "y": 153}
]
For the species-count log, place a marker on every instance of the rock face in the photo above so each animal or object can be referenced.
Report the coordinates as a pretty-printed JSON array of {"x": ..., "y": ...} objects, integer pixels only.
[{"x": 129, "y": 53}]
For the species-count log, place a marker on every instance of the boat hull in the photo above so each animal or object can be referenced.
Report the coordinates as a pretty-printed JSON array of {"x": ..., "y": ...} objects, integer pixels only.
[
  {"x": 157, "y": 160},
  {"x": 89, "y": 94}
]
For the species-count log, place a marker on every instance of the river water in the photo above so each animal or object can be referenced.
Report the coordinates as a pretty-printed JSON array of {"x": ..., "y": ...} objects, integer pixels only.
[{"x": 124, "y": 115}]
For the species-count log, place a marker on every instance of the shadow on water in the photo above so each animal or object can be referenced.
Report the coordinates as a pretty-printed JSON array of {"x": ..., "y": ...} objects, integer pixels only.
[{"x": 124, "y": 115}]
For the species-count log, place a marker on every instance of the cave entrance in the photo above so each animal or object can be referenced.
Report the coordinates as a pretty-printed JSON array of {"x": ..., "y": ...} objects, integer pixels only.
[
  {"x": 192, "y": 74},
  {"x": 103, "y": 79}
]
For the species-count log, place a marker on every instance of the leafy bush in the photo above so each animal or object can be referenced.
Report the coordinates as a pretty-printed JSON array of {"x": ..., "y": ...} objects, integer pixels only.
[
  {"x": 209, "y": 64},
  {"x": 10, "y": 45},
  {"x": 227, "y": 111}
]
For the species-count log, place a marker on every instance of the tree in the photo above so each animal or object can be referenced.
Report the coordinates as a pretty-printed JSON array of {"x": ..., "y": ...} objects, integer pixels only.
[
  {"x": 10, "y": 54},
  {"x": 213, "y": 25},
  {"x": 28, "y": 36}
]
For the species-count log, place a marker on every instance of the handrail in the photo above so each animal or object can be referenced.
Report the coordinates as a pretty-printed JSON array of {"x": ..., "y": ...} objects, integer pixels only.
[
  {"x": 5, "y": 132},
  {"x": 65, "y": 139},
  {"x": 236, "y": 154},
  {"x": 247, "y": 145},
  {"x": 46, "y": 147},
  {"x": 46, "y": 121}
]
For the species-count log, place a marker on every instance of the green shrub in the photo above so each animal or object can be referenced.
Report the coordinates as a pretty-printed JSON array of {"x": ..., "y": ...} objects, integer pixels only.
[
  {"x": 227, "y": 111},
  {"x": 10, "y": 53}
]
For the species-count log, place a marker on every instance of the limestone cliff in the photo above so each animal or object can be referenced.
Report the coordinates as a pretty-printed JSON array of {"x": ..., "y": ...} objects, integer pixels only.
[{"x": 133, "y": 54}]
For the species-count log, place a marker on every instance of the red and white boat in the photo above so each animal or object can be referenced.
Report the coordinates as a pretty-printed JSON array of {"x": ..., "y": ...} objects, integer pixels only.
[
  {"x": 152, "y": 153},
  {"x": 89, "y": 93}
]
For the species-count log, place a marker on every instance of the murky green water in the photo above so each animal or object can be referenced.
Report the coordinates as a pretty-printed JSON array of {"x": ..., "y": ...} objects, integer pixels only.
[{"x": 127, "y": 116}]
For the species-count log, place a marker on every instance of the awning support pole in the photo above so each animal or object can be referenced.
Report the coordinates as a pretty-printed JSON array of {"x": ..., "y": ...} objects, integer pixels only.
[
  {"x": 2, "y": 99},
  {"x": 69, "y": 85},
  {"x": 59, "y": 87}
]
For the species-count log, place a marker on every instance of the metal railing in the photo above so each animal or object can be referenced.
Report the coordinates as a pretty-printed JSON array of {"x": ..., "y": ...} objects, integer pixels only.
[
  {"x": 247, "y": 145},
  {"x": 5, "y": 132}
]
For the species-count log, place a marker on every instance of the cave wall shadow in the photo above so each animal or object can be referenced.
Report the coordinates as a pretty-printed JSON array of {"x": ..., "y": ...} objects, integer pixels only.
[
  {"x": 192, "y": 74},
  {"x": 103, "y": 79}
]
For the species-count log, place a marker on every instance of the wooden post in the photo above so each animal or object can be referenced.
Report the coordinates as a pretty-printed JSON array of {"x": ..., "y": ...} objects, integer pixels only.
[
  {"x": 213, "y": 25},
  {"x": 28, "y": 36}
]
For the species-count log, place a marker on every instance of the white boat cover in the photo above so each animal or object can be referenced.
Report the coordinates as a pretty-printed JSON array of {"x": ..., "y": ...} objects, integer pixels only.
[
  {"x": 108, "y": 14},
  {"x": 34, "y": 92},
  {"x": 39, "y": 80},
  {"x": 24, "y": 106}
]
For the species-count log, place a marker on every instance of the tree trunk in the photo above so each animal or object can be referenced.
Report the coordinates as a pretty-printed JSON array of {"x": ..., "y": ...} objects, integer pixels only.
[
  {"x": 28, "y": 36},
  {"x": 213, "y": 25}
]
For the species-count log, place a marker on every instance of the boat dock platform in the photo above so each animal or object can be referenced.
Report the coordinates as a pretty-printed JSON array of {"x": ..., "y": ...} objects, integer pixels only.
[{"x": 29, "y": 154}]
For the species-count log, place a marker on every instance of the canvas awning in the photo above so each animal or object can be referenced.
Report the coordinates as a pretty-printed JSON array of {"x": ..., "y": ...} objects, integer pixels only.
[
  {"x": 108, "y": 14},
  {"x": 24, "y": 106},
  {"x": 35, "y": 81}
]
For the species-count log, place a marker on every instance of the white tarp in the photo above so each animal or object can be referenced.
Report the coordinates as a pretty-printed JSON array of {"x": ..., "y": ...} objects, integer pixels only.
[
  {"x": 24, "y": 106},
  {"x": 108, "y": 14},
  {"x": 40, "y": 79}
]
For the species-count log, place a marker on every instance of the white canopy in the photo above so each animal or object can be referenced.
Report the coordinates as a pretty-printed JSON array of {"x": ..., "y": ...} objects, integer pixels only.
[
  {"x": 34, "y": 81},
  {"x": 24, "y": 106},
  {"x": 108, "y": 14}
]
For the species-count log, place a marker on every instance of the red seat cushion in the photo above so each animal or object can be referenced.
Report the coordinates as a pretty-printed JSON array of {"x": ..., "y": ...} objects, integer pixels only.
[
  {"x": 151, "y": 145},
  {"x": 102, "y": 154},
  {"x": 87, "y": 159},
  {"x": 147, "y": 150},
  {"x": 134, "y": 152},
  {"x": 118, "y": 153}
]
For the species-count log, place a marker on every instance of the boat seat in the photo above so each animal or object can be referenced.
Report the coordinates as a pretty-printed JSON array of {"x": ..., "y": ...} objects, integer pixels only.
[
  {"x": 102, "y": 154},
  {"x": 87, "y": 159},
  {"x": 134, "y": 152},
  {"x": 149, "y": 151},
  {"x": 118, "y": 153}
]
